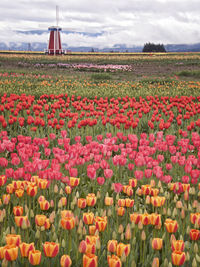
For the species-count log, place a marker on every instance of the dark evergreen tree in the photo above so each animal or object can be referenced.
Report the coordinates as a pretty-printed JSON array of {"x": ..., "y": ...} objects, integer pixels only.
[{"x": 151, "y": 47}]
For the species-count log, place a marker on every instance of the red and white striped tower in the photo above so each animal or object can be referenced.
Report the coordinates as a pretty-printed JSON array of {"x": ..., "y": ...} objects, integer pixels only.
[{"x": 55, "y": 46}]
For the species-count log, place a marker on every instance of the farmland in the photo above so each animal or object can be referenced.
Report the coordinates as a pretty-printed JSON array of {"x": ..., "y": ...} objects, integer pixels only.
[{"x": 100, "y": 159}]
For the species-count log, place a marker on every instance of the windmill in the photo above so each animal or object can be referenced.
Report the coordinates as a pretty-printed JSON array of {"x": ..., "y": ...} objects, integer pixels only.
[{"x": 55, "y": 45}]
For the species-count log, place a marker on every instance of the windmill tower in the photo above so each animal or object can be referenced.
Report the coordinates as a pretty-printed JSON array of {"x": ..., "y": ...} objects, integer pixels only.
[{"x": 55, "y": 46}]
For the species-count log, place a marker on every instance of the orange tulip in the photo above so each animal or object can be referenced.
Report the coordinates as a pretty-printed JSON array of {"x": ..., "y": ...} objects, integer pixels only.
[
  {"x": 101, "y": 223},
  {"x": 31, "y": 190},
  {"x": 50, "y": 249},
  {"x": 108, "y": 201},
  {"x": 1, "y": 253},
  {"x": 92, "y": 229},
  {"x": 92, "y": 239},
  {"x": 90, "y": 260},
  {"x": 18, "y": 210},
  {"x": 154, "y": 192},
  {"x": 6, "y": 199},
  {"x": 91, "y": 199},
  {"x": 34, "y": 257},
  {"x": 135, "y": 217},
  {"x": 74, "y": 181},
  {"x": 146, "y": 189},
  {"x": 128, "y": 190},
  {"x": 66, "y": 213},
  {"x": 114, "y": 261},
  {"x": 195, "y": 217},
  {"x": 112, "y": 246},
  {"x": 81, "y": 203},
  {"x": 194, "y": 234},
  {"x": 123, "y": 248},
  {"x": 17, "y": 184},
  {"x": 65, "y": 261},
  {"x": 88, "y": 218},
  {"x": 157, "y": 201},
  {"x": 120, "y": 211},
  {"x": 157, "y": 243},
  {"x": 133, "y": 182},
  {"x": 22, "y": 221},
  {"x": 12, "y": 239},
  {"x": 129, "y": 202},
  {"x": 145, "y": 218},
  {"x": 171, "y": 226},
  {"x": 10, "y": 252},
  {"x": 42, "y": 183},
  {"x": 68, "y": 223},
  {"x": 44, "y": 205},
  {"x": 47, "y": 224},
  {"x": 10, "y": 189},
  {"x": 26, "y": 248},
  {"x": 3, "y": 180},
  {"x": 19, "y": 192},
  {"x": 40, "y": 219},
  {"x": 178, "y": 245},
  {"x": 155, "y": 219},
  {"x": 68, "y": 190},
  {"x": 121, "y": 202},
  {"x": 178, "y": 258}
]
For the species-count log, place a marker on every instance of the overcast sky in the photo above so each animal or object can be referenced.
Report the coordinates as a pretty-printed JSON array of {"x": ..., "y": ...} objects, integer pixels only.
[{"x": 130, "y": 22}]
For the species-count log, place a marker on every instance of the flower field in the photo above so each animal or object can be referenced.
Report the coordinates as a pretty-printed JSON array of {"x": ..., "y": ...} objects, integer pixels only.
[{"x": 99, "y": 173}]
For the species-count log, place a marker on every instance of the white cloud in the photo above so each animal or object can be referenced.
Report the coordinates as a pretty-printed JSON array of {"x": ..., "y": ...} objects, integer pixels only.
[{"x": 131, "y": 22}]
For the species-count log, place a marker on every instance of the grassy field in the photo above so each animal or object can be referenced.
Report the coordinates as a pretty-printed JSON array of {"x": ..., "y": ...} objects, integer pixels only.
[{"x": 100, "y": 160}]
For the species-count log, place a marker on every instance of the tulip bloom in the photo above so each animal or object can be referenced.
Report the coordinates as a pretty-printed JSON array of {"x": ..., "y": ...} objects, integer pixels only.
[
  {"x": 157, "y": 201},
  {"x": 81, "y": 203},
  {"x": 22, "y": 221},
  {"x": 114, "y": 261},
  {"x": 65, "y": 261},
  {"x": 10, "y": 252},
  {"x": 90, "y": 260},
  {"x": 133, "y": 182},
  {"x": 171, "y": 226},
  {"x": 157, "y": 243},
  {"x": 129, "y": 202},
  {"x": 123, "y": 248},
  {"x": 19, "y": 192},
  {"x": 26, "y": 248},
  {"x": 44, "y": 205},
  {"x": 91, "y": 199},
  {"x": 74, "y": 181},
  {"x": 40, "y": 219},
  {"x": 88, "y": 218},
  {"x": 3, "y": 180},
  {"x": 12, "y": 239},
  {"x": 120, "y": 211},
  {"x": 178, "y": 245},
  {"x": 31, "y": 190},
  {"x": 194, "y": 234},
  {"x": 50, "y": 249},
  {"x": 66, "y": 213},
  {"x": 42, "y": 183},
  {"x": 68, "y": 223},
  {"x": 101, "y": 223},
  {"x": 68, "y": 190},
  {"x": 178, "y": 258},
  {"x": 112, "y": 246},
  {"x": 108, "y": 201},
  {"x": 34, "y": 257},
  {"x": 18, "y": 210},
  {"x": 135, "y": 217}
]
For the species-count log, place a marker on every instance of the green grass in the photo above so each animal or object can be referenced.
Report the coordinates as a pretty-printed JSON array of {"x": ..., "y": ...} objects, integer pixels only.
[{"x": 188, "y": 73}]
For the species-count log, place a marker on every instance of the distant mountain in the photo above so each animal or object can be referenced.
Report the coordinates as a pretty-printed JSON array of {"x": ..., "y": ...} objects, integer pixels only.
[{"x": 39, "y": 46}]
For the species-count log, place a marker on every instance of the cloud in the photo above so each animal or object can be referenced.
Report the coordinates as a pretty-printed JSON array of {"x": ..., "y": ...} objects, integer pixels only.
[{"x": 133, "y": 22}]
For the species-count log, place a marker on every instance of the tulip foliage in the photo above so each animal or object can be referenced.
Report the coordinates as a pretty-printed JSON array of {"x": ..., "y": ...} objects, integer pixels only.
[{"x": 99, "y": 181}]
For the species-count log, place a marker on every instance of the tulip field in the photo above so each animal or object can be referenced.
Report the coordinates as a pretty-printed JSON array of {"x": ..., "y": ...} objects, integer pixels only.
[{"x": 99, "y": 169}]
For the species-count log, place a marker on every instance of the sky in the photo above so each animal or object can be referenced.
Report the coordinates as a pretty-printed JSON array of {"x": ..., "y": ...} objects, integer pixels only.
[{"x": 106, "y": 22}]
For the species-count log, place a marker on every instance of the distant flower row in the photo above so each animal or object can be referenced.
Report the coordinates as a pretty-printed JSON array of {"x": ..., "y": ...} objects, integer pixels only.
[{"x": 81, "y": 66}]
